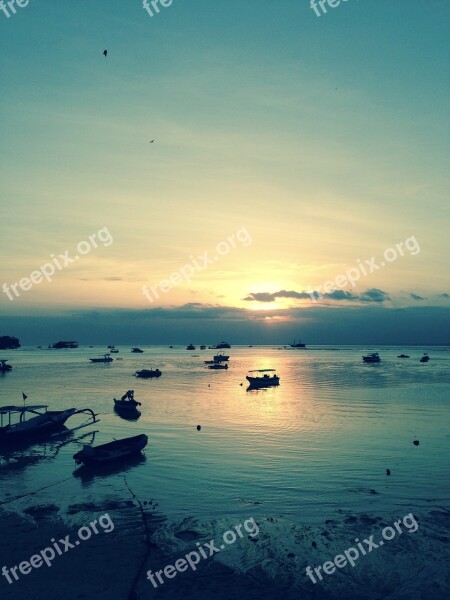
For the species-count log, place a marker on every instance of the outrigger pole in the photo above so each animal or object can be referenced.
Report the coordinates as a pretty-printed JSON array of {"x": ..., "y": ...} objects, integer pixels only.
[{"x": 86, "y": 424}]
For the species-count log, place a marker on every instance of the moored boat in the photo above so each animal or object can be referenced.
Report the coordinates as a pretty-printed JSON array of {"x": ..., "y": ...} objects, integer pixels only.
[
  {"x": 64, "y": 345},
  {"x": 403, "y": 356},
  {"x": 102, "y": 359},
  {"x": 221, "y": 346},
  {"x": 41, "y": 425},
  {"x": 425, "y": 358},
  {"x": 297, "y": 345},
  {"x": 137, "y": 350},
  {"x": 148, "y": 373},
  {"x": 217, "y": 366},
  {"x": 190, "y": 347},
  {"x": 126, "y": 405},
  {"x": 262, "y": 381},
  {"x": 374, "y": 357},
  {"x": 220, "y": 357},
  {"x": 111, "y": 452}
]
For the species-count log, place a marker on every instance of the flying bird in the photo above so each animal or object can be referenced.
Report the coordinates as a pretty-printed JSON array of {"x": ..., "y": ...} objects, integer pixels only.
[{"x": 105, "y": 53}]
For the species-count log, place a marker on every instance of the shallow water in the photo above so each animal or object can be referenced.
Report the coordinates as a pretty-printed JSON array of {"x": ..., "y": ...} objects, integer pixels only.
[{"x": 315, "y": 448}]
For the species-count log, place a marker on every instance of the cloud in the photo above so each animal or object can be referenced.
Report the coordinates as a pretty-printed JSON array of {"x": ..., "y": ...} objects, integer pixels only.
[
  {"x": 416, "y": 296},
  {"x": 268, "y": 297},
  {"x": 373, "y": 295},
  {"x": 444, "y": 295}
]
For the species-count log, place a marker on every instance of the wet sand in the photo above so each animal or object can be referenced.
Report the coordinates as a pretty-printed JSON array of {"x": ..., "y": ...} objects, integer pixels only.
[{"x": 269, "y": 566}]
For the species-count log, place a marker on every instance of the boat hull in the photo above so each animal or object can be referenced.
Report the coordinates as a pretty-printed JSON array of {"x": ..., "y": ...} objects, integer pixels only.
[
  {"x": 263, "y": 382},
  {"x": 112, "y": 452},
  {"x": 148, "y": 374}
]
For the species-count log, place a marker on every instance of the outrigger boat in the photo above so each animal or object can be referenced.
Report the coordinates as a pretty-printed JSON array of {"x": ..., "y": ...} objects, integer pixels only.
[
  {"x": 4, "y": 368},
  {"x": 41, "y": 425},
  {"x": 264, "y": 380},
  {"x": 114, "y": 451},
  {"x": 102, "y": 359}
]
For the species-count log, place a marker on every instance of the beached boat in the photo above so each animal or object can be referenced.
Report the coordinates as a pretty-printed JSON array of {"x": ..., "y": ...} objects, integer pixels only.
[
  {"x": 137, "y": 350},
  {"x": 425, "y": 358},
  {"x": 218, "y": 366},
  {"x": 374, "y": 357},
  {"x": 190, "y": 347},
  {"x": 148, "y": 373},
  {"x": 114, "y": 451},
  {"x": 262, "y": 381},
  {"x": 114, "y": 351},
  {"x": 41, "y": 425},
  {"x": 102, "y": 359},
  {"x": 202, "y": 347},
  {"x": 4, "y": 368}
]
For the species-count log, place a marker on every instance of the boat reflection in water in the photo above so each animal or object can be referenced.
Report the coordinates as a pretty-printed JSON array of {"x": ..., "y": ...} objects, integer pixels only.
[{"x": 88, "y": 475}]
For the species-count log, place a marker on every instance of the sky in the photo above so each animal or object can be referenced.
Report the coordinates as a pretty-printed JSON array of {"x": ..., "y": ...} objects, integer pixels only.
[{"x": 292, "y": 154}]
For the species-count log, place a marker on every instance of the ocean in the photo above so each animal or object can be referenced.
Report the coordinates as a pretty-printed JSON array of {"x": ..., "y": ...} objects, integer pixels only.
[{"x": 306, "y": 461}]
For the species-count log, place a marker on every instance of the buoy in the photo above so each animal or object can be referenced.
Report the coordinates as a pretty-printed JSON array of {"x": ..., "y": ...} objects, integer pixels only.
[
  {"x": 199, "y": 427},
  {"x": 416, "y": 442},
  {"x": 388, "y": 472}
]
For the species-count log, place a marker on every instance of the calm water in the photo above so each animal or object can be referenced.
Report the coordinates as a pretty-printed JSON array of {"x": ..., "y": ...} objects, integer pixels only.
[
  {"x": 315, "y": 448},
  {"x": 317, "y": 443}
]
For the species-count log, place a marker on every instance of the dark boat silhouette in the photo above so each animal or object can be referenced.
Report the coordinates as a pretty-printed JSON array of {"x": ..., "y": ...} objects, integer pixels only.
[
  {"x": 148, "y": 373},
  {"x": 264, "y": 380},
  {"x": 112, "y": 452}
]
